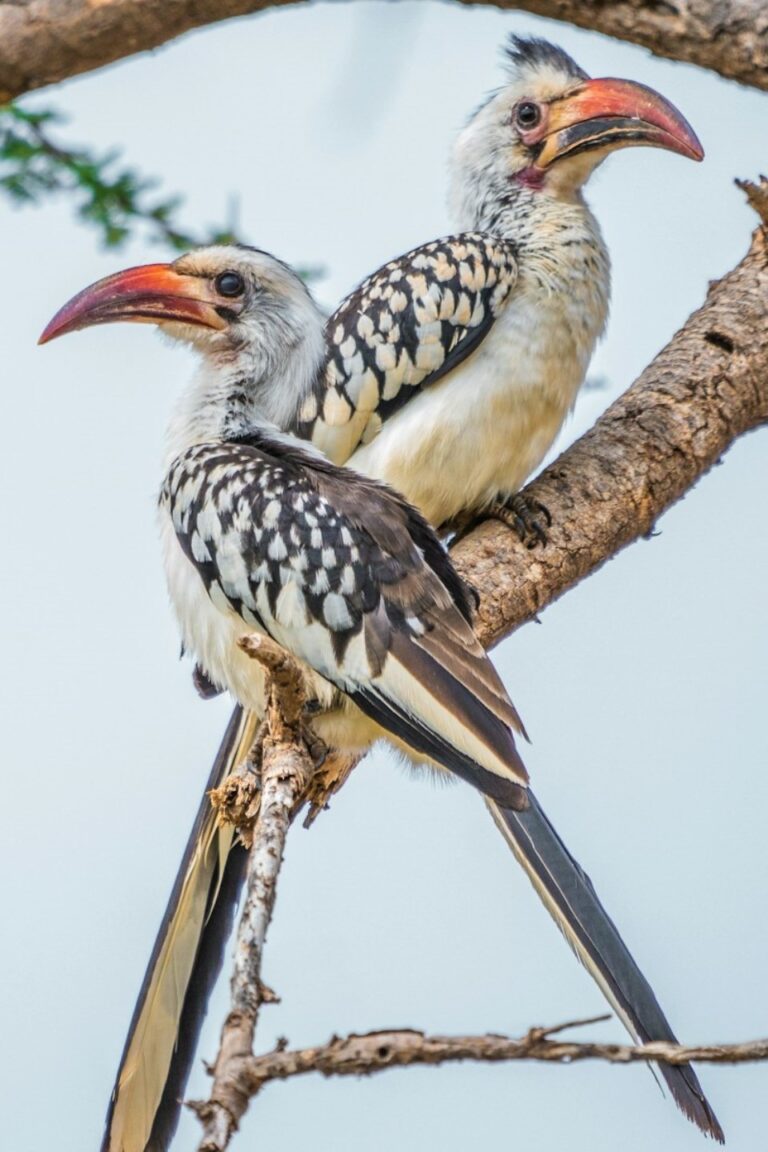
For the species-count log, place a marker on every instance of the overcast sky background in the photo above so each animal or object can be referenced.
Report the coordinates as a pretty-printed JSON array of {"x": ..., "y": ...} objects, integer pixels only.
[{"x": 644, "y": 690}]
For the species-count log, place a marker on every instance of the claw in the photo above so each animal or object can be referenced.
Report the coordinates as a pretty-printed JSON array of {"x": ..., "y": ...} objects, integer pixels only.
[
  {"x": 524, "y": 515},
  {"x": 317, "y": 749}
]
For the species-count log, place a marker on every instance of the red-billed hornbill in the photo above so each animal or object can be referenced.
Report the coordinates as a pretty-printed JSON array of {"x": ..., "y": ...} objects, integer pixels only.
[{"x": 449, "y": 373}]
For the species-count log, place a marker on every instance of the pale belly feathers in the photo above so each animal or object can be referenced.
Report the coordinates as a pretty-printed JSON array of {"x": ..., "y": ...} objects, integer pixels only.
[{"x": 479, "y": 433}]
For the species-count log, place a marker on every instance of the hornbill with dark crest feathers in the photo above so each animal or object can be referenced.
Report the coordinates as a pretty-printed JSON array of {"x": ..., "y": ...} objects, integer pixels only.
[{"x": 447, "y": 373}]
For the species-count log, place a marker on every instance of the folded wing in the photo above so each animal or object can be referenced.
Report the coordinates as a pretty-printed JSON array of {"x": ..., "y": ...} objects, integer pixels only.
[
  {"x": 404, "y": 328},
  {"x": 346, "y": 576}
]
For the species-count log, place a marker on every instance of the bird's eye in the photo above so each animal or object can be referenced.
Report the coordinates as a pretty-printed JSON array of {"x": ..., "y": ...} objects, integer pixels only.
[
  {"x": 229, "y": 284},
  {"x": 527, "y": 114}
]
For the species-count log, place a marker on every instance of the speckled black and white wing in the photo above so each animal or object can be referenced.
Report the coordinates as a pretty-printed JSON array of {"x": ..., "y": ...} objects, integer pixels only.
[
  {"x": 342, "y": 573},
  {"x": 403, "y": 329}
]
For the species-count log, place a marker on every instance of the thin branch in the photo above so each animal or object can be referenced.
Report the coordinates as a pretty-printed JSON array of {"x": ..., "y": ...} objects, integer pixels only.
[
  {"x": 285, "y": 769},
  {"x": 108, "y": 194},
  {"x": 702, "y": 392},
  {"x": 363, "y": 1055},
  {"x": 45, "y": 41}
]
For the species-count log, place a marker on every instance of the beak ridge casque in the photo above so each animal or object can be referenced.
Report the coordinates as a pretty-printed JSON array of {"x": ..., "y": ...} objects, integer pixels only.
[
  {"x": 610, "y": 113},
  {"x": 150, "y": 293}
]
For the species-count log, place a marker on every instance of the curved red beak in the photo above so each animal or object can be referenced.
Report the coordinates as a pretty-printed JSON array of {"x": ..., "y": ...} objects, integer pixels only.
[
  {"x": 608, "y": 114},
  {"x": 149, "y": 294}
]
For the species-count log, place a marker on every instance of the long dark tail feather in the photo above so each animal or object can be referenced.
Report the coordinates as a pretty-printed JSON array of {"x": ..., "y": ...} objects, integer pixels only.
[
  {"x": 396, "y": 721},
  {"x": 186, "y": 960},
  {"x": 567, "y": 892},
  {"x": 207, "y": 967},
  {"x": 143, "y": 1118}
]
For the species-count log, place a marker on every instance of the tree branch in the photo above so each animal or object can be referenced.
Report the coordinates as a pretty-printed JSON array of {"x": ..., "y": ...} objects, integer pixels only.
[
  {"x": 704, "y": 390},
  {"x": 285, "y": 769},
  {"x": 725, "y": 36},
  {"x": 356, "y": 1055},
  {"x": 45, "y": 41}
]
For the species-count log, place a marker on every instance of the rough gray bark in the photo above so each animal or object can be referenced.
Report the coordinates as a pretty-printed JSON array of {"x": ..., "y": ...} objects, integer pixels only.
[
  {"x": 726, "y": 36},
  {"x": 45, "y": 41}
]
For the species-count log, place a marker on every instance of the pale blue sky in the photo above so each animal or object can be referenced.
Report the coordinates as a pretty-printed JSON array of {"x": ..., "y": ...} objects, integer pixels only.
[{"x": 644, "y": 690}]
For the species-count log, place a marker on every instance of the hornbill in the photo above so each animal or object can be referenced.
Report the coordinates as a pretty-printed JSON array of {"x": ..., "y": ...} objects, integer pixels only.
[{"x": 449, "y": 373}]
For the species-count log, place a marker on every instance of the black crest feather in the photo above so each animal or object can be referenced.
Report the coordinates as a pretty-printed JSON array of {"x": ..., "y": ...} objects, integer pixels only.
[{"x": 532, "y": 52}]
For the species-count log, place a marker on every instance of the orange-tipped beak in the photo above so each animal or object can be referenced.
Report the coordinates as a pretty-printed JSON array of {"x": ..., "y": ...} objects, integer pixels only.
[
  {"x": 149, "y": 294},
  {"x": 607, "y": 114}
]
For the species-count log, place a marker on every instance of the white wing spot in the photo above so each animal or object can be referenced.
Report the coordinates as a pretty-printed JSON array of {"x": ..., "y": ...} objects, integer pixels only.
[
  {"x": 277, "y": 549},
  {"x": 336, "y": 613},
  {"x": 199, "y": 549},
  {"x": 271, "y": 514}
]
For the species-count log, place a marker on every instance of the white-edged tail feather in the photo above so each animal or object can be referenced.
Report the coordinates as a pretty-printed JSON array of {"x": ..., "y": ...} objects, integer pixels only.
[{"x": 185, "y": 961}]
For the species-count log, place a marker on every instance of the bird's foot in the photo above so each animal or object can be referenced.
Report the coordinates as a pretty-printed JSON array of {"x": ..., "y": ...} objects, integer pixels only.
[
  {"x": 317, "y": 748},
  {"x": 524, "y": 515},
  {"x": 237, "y": 800},
  {"x": 458, "y": 527},
  {"x": 251, "y": 766},
  {"x": 326, "y": 782}
]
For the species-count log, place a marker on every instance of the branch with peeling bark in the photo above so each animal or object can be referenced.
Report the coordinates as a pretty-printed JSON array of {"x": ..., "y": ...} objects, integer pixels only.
[
  {"x": 285, "y": 770},
  {"x": 400, "y": 1048},
  {"x": 45, "y": 41},
  {"x": 705, "y": 389}
]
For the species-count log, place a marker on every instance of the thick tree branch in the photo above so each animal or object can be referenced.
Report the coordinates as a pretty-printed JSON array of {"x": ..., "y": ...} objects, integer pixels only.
[
  {"x": 45, "y": 41},
  {"x": 726, "y": 36},
  {"x": 704, "y": 390}
]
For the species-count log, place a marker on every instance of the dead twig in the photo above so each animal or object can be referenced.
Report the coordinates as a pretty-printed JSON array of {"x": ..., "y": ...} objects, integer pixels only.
[
  {"x": 285, "y": 770},
  {"x": 363, "y": 1055}
]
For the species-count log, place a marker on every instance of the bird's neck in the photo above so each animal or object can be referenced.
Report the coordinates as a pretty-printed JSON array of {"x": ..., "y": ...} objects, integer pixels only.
[
  {"x": 550, "y": 233},
  {"x": 247, "y": 390}
]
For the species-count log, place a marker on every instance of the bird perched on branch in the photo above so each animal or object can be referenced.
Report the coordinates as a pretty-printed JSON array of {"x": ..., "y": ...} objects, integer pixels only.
[
  {"x": 451, "y": 369},
  {"x": 448, "y": 373}
]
